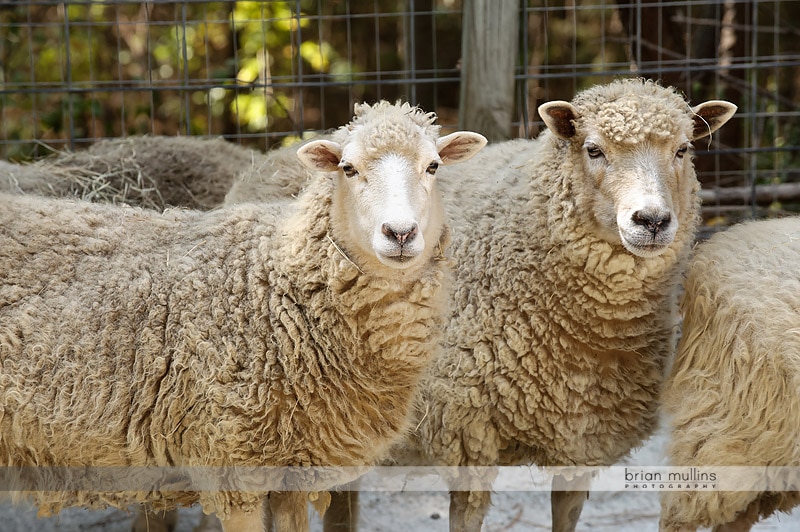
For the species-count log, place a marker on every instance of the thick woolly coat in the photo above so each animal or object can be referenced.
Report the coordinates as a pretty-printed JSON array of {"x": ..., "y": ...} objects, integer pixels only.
[
  {"x": 148, "y": 171},
  {"x": 732, "y": 395},
  {"x": 241, "y": 336},
  {"x": 557, "y": 344}
]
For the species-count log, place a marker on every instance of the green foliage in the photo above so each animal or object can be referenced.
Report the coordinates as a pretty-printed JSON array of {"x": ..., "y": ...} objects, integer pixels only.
[
  {"x": 163, "y": 68},
  {"x": 269, "y": 70}
]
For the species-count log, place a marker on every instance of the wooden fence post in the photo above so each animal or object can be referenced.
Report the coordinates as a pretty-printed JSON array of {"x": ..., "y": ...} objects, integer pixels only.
[{"x": 488, "y": 56}]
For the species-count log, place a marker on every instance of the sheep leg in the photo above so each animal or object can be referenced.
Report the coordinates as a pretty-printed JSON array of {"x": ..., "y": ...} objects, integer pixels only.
[
  {"x": 241, "y": 521},
  {"x": 342, "y": 514},
  {"x": 743, "y": 522},
  {"x": 208, "y": 523},
  {"x": 268, "y": 520},
  {"x": 686, "y": 528},
  {"x": 566, "y": 503},
  {"x": 148, "y": 520},
  {"x": 289, "y": 511},
  {"x": 467, "y": 509}
]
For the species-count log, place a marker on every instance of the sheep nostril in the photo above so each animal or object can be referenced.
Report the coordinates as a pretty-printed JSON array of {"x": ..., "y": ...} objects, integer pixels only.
[
  {"x": 652, "y": 221},
  {"x": 401, "y": 236}
]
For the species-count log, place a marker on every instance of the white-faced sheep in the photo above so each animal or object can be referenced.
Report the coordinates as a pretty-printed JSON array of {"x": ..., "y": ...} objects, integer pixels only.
[
  {"x": 285, "y": 334},
  {"x": 567, "y": 267},
  {"x": 733, "y": 394},
  {"x": 569, "y": 250},
  {"x": 148, "y": 171}
]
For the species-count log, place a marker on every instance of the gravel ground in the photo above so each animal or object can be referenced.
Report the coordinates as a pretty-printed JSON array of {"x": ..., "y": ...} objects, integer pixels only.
[{"x": 512, "y": 511}]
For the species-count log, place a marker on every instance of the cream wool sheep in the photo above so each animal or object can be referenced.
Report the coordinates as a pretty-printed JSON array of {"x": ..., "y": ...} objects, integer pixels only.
[
  {"x": 732, "y": 395},
  {"x": 279, "y": 176},
  {"x": 286, "y": 334},
  {"x": 566, "y": 275},
  {"x": 147, "y": 171}
]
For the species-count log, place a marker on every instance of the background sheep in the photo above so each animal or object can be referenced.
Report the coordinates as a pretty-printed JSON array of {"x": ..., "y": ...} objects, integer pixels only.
[
  {"x": 568, "y": 250},
  {"x": 277, "y": 175},
  {"x": 152, "y": 172},
  {"x": 216, "y": 326},
  {"x": 149, "y": 171},
  {"x": 732, "y": 395}
]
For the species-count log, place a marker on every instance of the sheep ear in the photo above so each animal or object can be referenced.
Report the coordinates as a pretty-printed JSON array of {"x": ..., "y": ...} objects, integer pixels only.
[
  {"x": 710, "y": 116},
  {"x": 558, "y": 116},
  {"x": 321, "y": 155},
  {"x": 459, "y": 146}
]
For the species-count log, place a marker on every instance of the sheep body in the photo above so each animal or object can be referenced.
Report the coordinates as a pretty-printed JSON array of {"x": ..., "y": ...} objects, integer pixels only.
[
  {"x": 732, "y": 394},
  {"x": 243, "y": 336},
  {"x": 148, "y": 171},
  {"x": 556, "y": 348},
  {"x": 188, "y": 325},
  {"x": 276, "y": 175}
]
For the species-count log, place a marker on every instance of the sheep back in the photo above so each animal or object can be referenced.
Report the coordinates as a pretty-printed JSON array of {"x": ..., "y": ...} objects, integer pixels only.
[
  {"x": 732, "y": 394},
  {"x": 275, "y": 176},
  {"x": 148, "y": 171}
]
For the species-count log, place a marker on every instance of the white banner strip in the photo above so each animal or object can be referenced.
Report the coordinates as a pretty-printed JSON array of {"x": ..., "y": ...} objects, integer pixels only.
[{"x": 399, "y": 479}]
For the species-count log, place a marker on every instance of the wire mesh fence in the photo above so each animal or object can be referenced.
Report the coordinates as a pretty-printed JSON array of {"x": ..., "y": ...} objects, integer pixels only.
[{"x": 265, "y": 73}]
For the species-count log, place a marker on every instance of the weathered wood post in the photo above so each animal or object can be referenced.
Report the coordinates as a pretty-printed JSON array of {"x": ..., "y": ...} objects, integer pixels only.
[{"x": 488, "y": 57}]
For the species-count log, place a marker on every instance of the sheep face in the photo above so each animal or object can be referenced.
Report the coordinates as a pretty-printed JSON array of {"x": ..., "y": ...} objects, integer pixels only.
[
  {"x": 636, "y": 191},
  {"x": 386, "y": 205},
  {"x": 634, "y": 153}
]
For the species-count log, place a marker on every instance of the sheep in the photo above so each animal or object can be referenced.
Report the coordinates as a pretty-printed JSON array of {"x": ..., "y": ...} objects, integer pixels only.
[
  {"x": 149, "y": 171},
  {"x": 564, "y": 301},
  {"x": 569, "y": 251},
  {"x": 153, "y": 172},
  {"x": 284, "y": 333},
  {"x": 732, "y": 394}
]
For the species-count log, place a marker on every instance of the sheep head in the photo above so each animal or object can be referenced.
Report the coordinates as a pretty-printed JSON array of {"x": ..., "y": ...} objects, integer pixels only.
[
  {"x": 630, "y": 141},
  {"x": 386, "y": 206}
]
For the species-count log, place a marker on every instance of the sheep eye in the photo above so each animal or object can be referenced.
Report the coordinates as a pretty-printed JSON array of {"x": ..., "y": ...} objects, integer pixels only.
[
  {"x": 348, "y": 170},
  {"x": 594, "y": 152},
  {"x": 432, "y": 167},
  {"x": 681, "y": 151}
]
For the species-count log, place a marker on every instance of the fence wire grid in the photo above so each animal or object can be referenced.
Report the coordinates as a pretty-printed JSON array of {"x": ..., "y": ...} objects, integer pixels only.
[{"x": 266, "y": 73}]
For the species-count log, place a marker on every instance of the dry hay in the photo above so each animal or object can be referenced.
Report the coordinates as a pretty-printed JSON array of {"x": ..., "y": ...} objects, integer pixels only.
[{"x": 150, "y": 171}]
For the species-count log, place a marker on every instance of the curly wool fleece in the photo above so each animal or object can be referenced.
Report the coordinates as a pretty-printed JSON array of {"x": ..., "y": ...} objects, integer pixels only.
[
  {"x": 574, "y": 330},
  {"x": 647, "y": 111},
  {"x": 556, "y": 348},
  {"x": 235, "y": 337}
]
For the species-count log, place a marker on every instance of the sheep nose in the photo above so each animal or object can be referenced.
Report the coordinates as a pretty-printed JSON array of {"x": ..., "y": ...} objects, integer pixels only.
[
  {"x": 653, "y": 221},
  {"x": 401, "y": 236}
]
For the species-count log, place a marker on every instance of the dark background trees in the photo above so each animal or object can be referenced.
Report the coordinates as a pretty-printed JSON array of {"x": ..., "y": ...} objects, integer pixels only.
[{"x": 264, "y": 73}]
